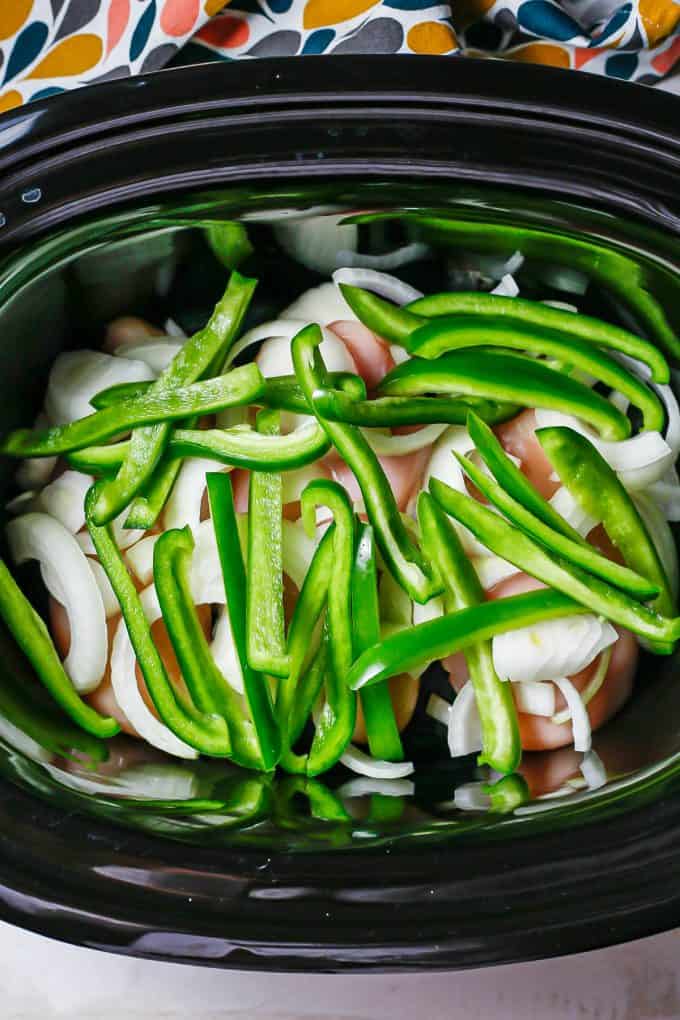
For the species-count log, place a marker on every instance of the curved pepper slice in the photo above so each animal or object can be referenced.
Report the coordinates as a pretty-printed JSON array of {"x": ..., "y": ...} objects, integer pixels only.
[
  {"x": 410, "y": 647},
  {"x": 597, "y": 488},
  {"x": 460, "y": 332},
  {"x": 536, "y": 318},
  {"x": 382, "y": 732},
  {"x": 386, "y": 411},
  {"x": 335, "y": 723},
  {"x": 31, "y": 635},
  {"x": 207, "y": 733},
  {"x": 263, "y": 746},
  {"x": 243, "y": 447},
  {"x": 511, "y": 544},
  {"x": 265, "y": 626},
  {"x": 240, "y": 386},
  {"x": 401, "y": 555},
  {"x": 501, "y": 748},
  {"x": 196, "y": 358},
  {"x": 501, "y": 375}
]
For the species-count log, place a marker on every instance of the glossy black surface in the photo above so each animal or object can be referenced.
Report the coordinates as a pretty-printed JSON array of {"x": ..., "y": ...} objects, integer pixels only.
[{"x": 427, "y": 889}]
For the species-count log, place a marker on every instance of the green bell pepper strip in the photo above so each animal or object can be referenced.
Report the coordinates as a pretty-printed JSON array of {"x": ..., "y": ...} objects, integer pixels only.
[
  {"x": 382, "y": 732},
  {"x": 501, "y": 375},
  {"x": 410, "y": 647},
  {"x": 501, "y": 747},
  {"x": 508, "y": 793},
  {"x": 386, "y": 411},
  {"x": 582, "y": 554},
  {"x": 265, "y": 626},
  {"x": 282, "y": 392},
  {"x": 293, "y": 704},
  {"x": 229, "y": 242},
  {"x": 391, "y": 322},
  {"x": 322, "y": 492},
  {"x": 197, "y": 356},
  {"x": 511, "y": 544},
  {"x": 324, "y": 805},
  {"x": 307, "y": 691},
  {"x": 598, "y": 490},
  {"x": 460, "y": 332},
  {"x": 240, "y": 386},
  {"x": 206, "y": 733},
  {"x": 612, "y": 269},
  {"x": 31, "y": 635},
  {"x": 265, "y": 748},
  {"x": 399, "y": 552},
  {"x": 516, "y": 484},
  {"x": 102, "y": 461},
  {"x": 535, "y": 319},
  {"x": 152, "y": 497},
  {"x": 335, "y": 724},
  {"x": 243, "y": 447}
]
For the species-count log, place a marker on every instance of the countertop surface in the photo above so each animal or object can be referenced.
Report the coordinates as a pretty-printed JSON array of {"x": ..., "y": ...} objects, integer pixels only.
[{"x": 44, "y": 980}]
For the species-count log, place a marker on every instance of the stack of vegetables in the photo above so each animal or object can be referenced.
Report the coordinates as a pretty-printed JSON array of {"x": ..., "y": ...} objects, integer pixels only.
[{"x": 257, "y": 560}]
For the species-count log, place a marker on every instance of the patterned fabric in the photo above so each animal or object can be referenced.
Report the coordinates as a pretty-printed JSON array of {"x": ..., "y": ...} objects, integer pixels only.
[{"x": 47, "y": 46}]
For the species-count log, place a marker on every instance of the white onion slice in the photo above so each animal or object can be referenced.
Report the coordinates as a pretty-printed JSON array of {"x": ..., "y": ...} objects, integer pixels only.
[
  {"x": 365, "y": 786},
  {"x": 15, "y": 738},
  {"x": 22, "y": 503},
  {"x": 399, "y": 354},
  {"x": 638, "y": 461},
  {"x": 464, "y": 730},
  {"x": 431, "y": 610},
  {"x": 580, "y": 723},
  {"x": 572, "y": 281},
  {"x": 591, "y": 688},
  {"x": 572, "y": 512},
  {"x": 157, "y": 354},
  {"x": 439, "y": 708},
  {"x": 77, "y": 376},
  {"x": 224, "y": 652},
  {"x": 471, "y": 797},
  {"x": 593, "y": 770},
  {"x": 534, "y": 698},
  {"x": 69, "y": 579},
  {"x": 322, "y": 304},
  {"x": 126, "y": 690},
  {"x": 293, "y": 483},
  {"x": 174, "y": 330},
  {"x": 491, "y": 570},
  {"x": 124, "y": 537},
  {"x": 551, "y": 648},
  {"x": 186, "y": 499},
  {"x": 389, "y": 260},
  {"x": 386, "y": 444},
  {"x": 139, "y": 559},
  {"x": 507, "y": 287},
  {"x": 297, "y": 551},
  {"x": 64, "y": 499},
  {"x": 109, "y": 600},
  {"x": 316, "y": 242},
  {"x": 362, "y": 763},
  {"x": 382, "y": 284},
  {"x": 661, "y": 535},
  {"x": 34, "y": 472},
  {"x": 564, "y": 306},
  {"x": 274, "y": 357}
]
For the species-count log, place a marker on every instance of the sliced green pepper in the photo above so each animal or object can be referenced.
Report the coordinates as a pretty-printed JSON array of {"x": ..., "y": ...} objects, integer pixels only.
[
  {"x": 240, "y": 386},
  {"x": 266, "y": 732},
  {"x": 535, "y": 319},
  {"x": 501, "y": 375},
  {"x": 501, "y": 747},
  {"x": 507, "y": 793},
  {"x": 265, "y": 625},
  {"x": 229, "y": 242},
  {"x": 410, "y": 647},
  {"x": 30, "y": 633},
  {"x": 521, "y": 550},
  {"x": 596, "y": 487},
  {"x": 152, "y": 497},
  {"x": 401, "y": 555},
  {"x": 382, "y": 317},
  {"x": 195, "y": 358},
  {"x": 382, "y": 732},
  {"x": 386, "y": 411},
  {"x": 336, "y": 721},
  {"x": 580, "y": 553},
  {"x": 460, "y": 332},
  {"x": 243, "y": 447},
  {"x": 207, "y": 733}
]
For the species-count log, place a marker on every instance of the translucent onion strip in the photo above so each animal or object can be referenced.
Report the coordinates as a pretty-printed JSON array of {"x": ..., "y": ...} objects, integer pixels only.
[
  {"x": 382, "y": 284},
  {"x": 591, "y": 688},
  {"x": 580, "y": 722},
  {"x": 363, "y": 764}
]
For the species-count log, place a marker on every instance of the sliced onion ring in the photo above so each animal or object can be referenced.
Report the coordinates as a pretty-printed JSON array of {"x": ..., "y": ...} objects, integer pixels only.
[
  {"x": 534, "y": 698},
  {"x": 157, "y": 354},
  {"x": 383, "y": 284},
  {"x": 464, "y": 730},
  {"x": 580, "y": 722},
  {"x": 390, "y": 445},
  {"x": 76, "y": 377},
  {"x": 362, "y": 763},
  {"x": 64, "y": 499},
  {"x": 69, "y": 579}
]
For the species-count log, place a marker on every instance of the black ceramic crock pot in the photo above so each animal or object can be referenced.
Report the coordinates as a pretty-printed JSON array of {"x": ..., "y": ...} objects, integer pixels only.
[{"x": 132, "y": 167}]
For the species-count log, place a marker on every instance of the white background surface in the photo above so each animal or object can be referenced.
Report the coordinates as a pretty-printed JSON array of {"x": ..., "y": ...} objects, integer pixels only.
[{"x": 43, "y": 980}]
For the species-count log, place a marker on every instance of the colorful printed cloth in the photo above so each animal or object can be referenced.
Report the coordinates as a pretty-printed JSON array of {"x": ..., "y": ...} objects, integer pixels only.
[{"x": 47, "y": 46}]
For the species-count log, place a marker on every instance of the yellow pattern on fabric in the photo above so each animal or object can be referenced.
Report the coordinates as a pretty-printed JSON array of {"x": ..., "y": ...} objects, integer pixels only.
[{"x": 74, "y": 55}]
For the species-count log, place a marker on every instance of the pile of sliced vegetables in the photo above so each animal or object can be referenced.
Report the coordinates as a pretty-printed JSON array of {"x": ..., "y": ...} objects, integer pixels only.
[{"x": 247, "y": 509}]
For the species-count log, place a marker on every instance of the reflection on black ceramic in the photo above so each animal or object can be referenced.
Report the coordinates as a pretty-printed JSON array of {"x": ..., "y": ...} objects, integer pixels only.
[{"x": 203, "y": 861}]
